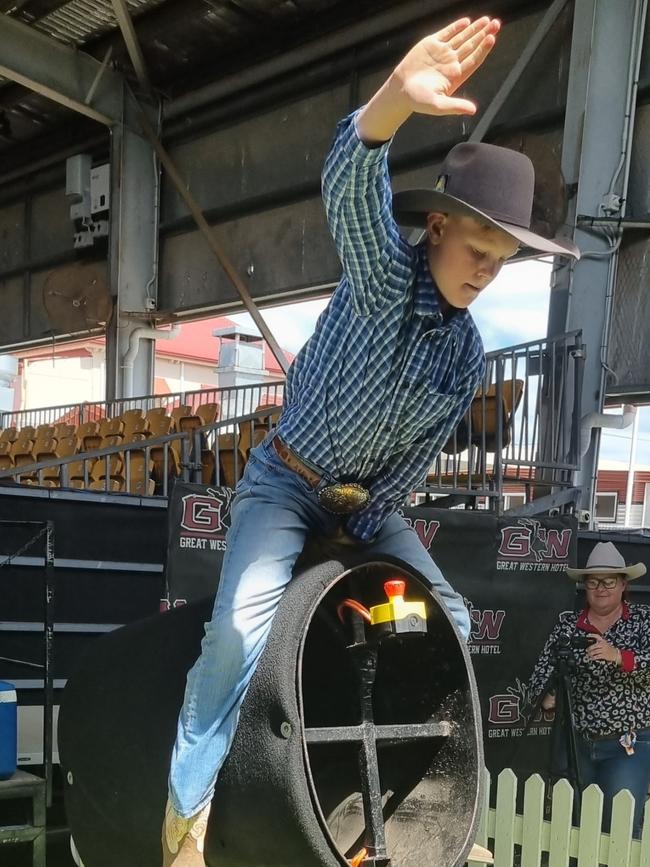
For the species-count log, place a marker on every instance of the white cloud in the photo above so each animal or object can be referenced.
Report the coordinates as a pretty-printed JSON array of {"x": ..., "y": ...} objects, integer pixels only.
[{"x": 514, "y": 308}]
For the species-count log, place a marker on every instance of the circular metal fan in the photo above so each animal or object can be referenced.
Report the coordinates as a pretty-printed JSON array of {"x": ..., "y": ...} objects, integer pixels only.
[{"x": 77, "y": 298}]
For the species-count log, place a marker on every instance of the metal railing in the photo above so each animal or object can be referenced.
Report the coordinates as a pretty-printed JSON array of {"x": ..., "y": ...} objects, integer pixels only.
[
  {"x": 234, "y": 401},
  {"x": 213, "y": 454},
  {"x": 522, "y": 432}
]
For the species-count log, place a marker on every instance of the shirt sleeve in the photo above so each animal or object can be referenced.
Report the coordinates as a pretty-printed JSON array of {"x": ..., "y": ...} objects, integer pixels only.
[
  {"x": 636, "y": 660},
  {"x": 409, "y": 468},
  {"x": 377, "y": 261}
]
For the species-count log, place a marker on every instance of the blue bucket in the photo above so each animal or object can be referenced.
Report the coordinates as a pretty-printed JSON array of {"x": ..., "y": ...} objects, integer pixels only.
[{"x": 8, "y": 730}]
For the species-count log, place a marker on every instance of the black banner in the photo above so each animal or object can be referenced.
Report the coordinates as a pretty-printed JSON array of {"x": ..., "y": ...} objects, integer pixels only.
[
  {"x": 199, "y": 518},
  {"x": 510, "y": 571}
]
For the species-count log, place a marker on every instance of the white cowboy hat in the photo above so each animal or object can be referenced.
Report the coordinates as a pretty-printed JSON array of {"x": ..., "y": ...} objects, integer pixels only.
[{"x": 605, "y": 559}]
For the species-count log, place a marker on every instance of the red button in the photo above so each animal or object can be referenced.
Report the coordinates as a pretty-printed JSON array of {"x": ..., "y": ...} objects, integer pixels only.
[{"x": 394, "y": 587}]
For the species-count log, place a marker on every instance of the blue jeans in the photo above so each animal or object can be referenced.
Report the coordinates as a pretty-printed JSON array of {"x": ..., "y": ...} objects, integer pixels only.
[
  {"x": 271, "y": 516},
  {"x": 607, "y": 764}
]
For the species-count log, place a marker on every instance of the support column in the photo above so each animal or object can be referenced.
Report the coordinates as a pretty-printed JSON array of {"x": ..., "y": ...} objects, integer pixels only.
[
  {"x": 595, "y": 158},
  {"x": 133, "y": 253}
]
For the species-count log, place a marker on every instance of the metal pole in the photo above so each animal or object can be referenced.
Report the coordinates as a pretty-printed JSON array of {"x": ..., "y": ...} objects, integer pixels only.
[
  {"x": 131, "y": 40},
  {"x": 208, "y": 233},
  {"x": 629, "y": 493},
  {"x": 48, "y": 630}
]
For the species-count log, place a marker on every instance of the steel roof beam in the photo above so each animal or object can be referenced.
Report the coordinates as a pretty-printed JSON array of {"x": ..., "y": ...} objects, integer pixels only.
[
  {"x": 131, "y": 41},
  {"x": 59, "y": 72}
]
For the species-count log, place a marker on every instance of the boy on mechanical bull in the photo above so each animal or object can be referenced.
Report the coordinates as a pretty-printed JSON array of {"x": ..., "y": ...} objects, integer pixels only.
[{"x": 372, "y": 397}]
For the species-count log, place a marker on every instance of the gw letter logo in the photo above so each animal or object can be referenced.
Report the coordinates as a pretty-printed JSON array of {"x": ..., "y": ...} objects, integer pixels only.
[
  {"x": 504, "y": 710},
  {"x": 201, "y": 515},
  {"x": 528, "y": 539}
]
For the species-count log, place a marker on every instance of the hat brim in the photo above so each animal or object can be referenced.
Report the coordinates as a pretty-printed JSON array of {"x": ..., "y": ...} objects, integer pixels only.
[
  {"x": 411, "y": 207},
  {"x": 630, "y": 572}
]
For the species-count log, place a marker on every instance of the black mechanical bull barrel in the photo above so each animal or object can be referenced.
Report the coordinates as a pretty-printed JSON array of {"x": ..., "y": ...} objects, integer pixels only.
[{"x": 358, "y": 741}]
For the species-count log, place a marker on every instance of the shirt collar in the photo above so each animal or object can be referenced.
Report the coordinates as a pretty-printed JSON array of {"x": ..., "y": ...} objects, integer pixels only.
[
  {"x": 583, "y": 622},
  {"x": 426, "y": 302}
]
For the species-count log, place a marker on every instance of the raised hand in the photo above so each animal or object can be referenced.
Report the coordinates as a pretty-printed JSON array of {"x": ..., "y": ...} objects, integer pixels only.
[
  {"x": 427, "y": 77},
  {"x": 438, "y": 65}
]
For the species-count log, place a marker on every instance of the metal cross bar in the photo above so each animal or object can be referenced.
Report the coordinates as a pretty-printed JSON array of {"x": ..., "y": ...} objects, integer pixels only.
[{"x": 355, "y": 734}]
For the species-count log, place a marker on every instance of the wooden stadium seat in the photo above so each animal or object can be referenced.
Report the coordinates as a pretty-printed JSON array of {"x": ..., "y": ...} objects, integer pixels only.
[
  {"x": 21, "y": 451},
  {"x": 188, "y": 423},
  {"x": 44, "y": 431},
  {"x": 483, "y": 413},
  {"x": 135, "y": 428},
  {"x": 108, "y": 466},
  {"x": 138, "y": 469},
  {"x": 87, "y": 434},
  {"x": 138, "y": 412},
  {"x": 63, "y": 448},
  {"x": 178, "y": 413},
  {"x": 159, "y": 425},
  {"x": 232, "y": 460},
  {"x": 63, "y": 430},
  {"x": 208, "y": 466},
  {"x": 76, "y": 474},
  {"x": 28, "y": 432},
  {"x": 9, "y": 435},
  {"x": 109, "y": 485},
  {"x": 174, "y": 453},
  {"x": 44, "y": 449},
  {"x": 154, "y": 412},
  {"x": 250, "y": 436},
  {"x": 111, "y": 427},
  {"x": 66, "y": 446},
  {"x": 208, "y": 412},
  {"x": 253, "y": 432},
  {"x": 6, "y": 459}
]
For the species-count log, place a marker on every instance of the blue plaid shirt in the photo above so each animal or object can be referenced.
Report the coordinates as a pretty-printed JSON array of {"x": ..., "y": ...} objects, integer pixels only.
[{"x": 378, "y": 388}]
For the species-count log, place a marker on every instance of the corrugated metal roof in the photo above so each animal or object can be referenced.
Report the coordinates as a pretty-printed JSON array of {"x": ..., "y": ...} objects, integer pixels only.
[{"x": 79, "y": 21}]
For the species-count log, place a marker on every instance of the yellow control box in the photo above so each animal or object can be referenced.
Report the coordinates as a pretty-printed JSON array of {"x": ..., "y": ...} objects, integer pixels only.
[{"x": 397, "y": 608}]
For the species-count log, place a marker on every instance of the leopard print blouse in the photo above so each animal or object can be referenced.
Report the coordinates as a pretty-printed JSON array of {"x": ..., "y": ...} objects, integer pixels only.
[{"x": 608, "y": 699}]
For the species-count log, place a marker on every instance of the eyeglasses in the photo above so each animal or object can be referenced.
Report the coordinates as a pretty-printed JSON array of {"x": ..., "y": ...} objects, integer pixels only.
[{"x": 607, "y": 583}]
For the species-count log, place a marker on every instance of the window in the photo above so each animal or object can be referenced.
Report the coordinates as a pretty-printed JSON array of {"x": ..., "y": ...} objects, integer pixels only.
[
  {"x": 606, "y": 505},
  {"x": 511, "y": 501},
  {"x": 645, "y": 520}
]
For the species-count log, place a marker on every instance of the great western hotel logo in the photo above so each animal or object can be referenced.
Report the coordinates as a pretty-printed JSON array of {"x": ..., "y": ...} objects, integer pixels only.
[
  {"x": 202, "y": 523},
  {"x": 485, "y": 629},
  {"x": 526, "y": 545}
]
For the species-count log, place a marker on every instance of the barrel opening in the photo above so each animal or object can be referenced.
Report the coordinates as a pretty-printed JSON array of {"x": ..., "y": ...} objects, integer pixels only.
[{"x": 416, "y": 725}]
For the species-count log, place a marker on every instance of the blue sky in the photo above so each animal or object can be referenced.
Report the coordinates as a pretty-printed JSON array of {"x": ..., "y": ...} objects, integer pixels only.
[{"x": 513, "y": 310}]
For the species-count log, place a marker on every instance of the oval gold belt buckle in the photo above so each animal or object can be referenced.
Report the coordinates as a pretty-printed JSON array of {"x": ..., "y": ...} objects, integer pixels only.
[{"x": 343, "y": 498}]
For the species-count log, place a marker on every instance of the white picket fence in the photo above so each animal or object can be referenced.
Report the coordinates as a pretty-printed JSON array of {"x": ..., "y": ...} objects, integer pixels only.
[{"x": 529, "y": 840}]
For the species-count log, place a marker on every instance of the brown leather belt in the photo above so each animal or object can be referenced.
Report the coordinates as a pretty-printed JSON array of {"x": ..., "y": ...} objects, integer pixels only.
[
  {"x": 339, "y": 498},
  {"x": 291, "y": 460}
]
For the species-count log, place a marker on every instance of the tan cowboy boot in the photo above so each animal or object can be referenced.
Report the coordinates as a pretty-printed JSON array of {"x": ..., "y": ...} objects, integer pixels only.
[
  {"x": 478, "y": 853},
  {"x": 183, "y": 839}
]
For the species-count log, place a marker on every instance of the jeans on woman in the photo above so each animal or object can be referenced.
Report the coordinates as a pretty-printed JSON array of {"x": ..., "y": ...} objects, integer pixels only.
[
  {"x": 606, "y": 763},
  {"x": 271, "y": 516}
]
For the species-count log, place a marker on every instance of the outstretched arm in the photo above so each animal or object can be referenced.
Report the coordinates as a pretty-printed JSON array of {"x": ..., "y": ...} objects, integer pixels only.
[
  {"x": 356, "y": 185},
  {"x": 427, "y": 78}
]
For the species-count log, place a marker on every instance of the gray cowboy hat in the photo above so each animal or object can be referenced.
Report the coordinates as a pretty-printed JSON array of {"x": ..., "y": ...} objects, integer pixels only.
[
  {"x": 488, "y": 182},
  {"x": 606, "y": 559}
]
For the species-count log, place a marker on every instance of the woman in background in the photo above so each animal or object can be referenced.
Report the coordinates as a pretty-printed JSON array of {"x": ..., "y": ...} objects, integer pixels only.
[{"x": 610, "y": 682}]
